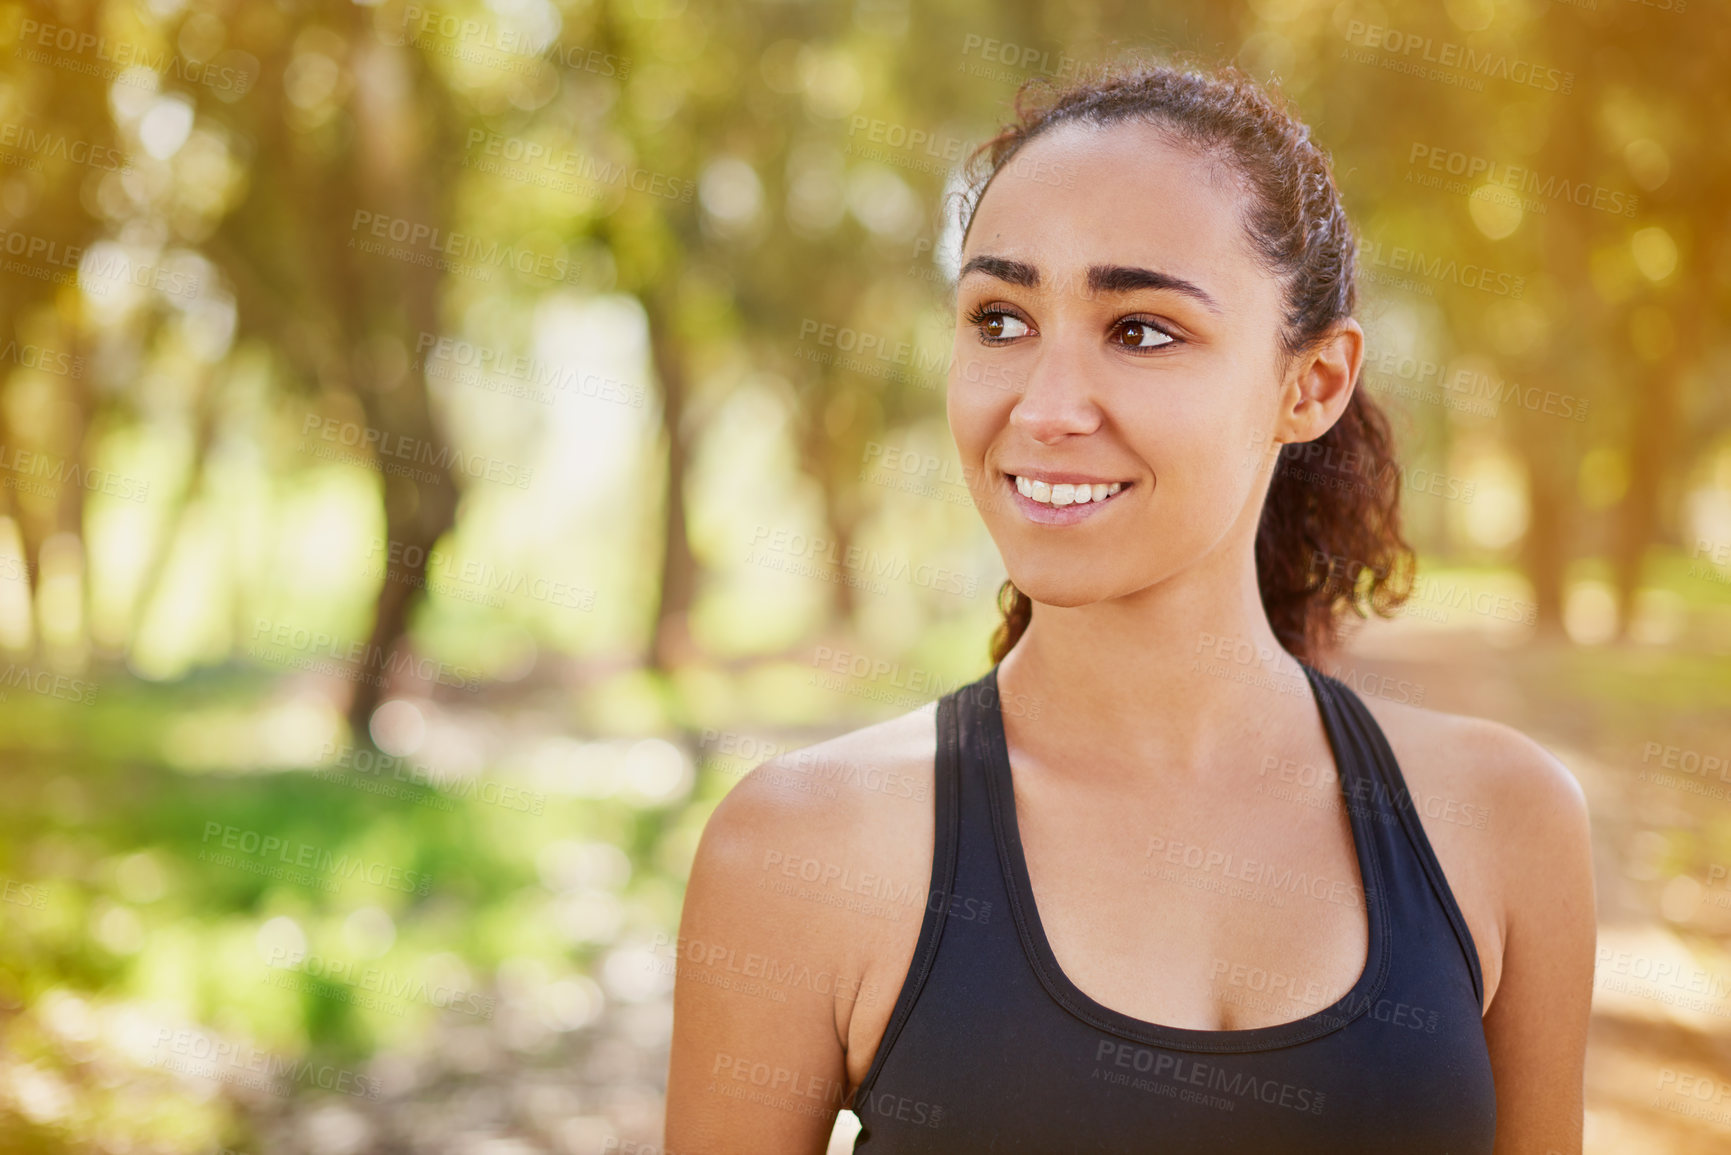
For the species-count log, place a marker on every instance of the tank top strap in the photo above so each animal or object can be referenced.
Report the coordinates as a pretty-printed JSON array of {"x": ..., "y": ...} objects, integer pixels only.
[{"x": 1372, "y": 785}]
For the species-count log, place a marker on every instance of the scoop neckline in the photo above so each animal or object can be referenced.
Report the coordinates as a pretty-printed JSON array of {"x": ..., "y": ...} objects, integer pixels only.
[{"x": 1348, "y": 754}]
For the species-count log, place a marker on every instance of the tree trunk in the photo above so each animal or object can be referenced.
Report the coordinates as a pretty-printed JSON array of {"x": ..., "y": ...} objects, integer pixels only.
[
  {"x": 414, "y": 521},
  {"x": 162, "y": 548},
  {"x": 1652, "y": 448},
  {"x": 1545, "y": 549},
  {"x": 841, "y": 531},
  {"x": 402, "y": 301},
  {"x": 672, "y": 643},
  {"x": 839, "y": 482}
]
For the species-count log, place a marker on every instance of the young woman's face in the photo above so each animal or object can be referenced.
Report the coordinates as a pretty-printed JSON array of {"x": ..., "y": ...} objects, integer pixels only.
[{"x": 1113, "y": 330}]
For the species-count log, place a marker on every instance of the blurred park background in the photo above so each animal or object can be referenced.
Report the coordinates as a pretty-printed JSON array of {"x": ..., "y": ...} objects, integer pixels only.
[{"x": 444, "y": 445}]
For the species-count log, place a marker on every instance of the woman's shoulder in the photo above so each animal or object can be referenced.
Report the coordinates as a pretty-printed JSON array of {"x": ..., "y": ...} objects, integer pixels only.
[
  {"x": 847, "y": 816},
  {"x": 839, "y": 790},
  {"x": 1479, "y": 761},
  {"x": 1505, "y": 817},
  {"x": 823, "y": 855}
]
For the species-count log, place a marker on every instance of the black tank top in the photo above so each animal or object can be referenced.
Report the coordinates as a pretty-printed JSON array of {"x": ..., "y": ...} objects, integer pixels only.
[{"x": 990, "y": 1047}]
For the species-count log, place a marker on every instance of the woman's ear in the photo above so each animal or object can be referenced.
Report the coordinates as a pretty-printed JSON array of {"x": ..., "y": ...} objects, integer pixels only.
[{"x": 1319, "y": 382}]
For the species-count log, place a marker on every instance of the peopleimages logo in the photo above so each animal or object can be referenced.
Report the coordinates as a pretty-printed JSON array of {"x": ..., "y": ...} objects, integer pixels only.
[
  {"x": 462, "y": 787},
  {"x": 40, "y": 143},
  {"x": 543, "y": 165},
  {"x": 883, "y": 348},
  {"x": 1449, "y": 55},
  {"x": 1374, "y": 255},
  {"x": 447, "y": 356},
  {"x": 895, "y": 135},
  {"x": 47, "y": 683},
  {"x": 42, "y": 359},
  {"x": 1520, "y": 179},
  {"x": 307, "y": 649},
  {"x": 114, "y": 59},
  {"x": 769, "y": 544},
  {"x": 195, "y": 1053},
  {"x": 1026, "y": 59},
  {"x": 499, "y": 46},
  {"x": 344, "y": 974},
  {"x": 1177, "y": 1074},
  {"x": 256, "y": 845},
  {"x": 25, "y": 466},
  {"x": 382, "y": 447}
]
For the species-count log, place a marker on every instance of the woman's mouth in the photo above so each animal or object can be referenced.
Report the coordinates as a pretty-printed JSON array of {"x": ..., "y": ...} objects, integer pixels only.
[{"x": 1061, "y": 499}]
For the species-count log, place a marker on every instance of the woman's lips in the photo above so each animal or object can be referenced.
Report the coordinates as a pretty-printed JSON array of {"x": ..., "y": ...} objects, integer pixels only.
[{"x": 1045, "y": 513}]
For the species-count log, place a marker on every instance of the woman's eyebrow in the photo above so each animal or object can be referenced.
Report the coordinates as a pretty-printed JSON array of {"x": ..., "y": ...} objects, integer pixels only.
[
  {"x": 1127, "y": 279},
  {"x": 1004, "y": 269},
  {"x": 1101, "y": 278}
]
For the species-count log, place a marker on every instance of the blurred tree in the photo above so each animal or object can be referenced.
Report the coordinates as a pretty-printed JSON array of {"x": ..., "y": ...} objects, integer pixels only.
[
  {"x": 59, "y": 141},
  {"x": 349, "y": 129}
]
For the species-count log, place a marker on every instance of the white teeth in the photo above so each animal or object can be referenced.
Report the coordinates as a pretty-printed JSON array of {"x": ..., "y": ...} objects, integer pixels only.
[{"x": 1066, "y": 493}]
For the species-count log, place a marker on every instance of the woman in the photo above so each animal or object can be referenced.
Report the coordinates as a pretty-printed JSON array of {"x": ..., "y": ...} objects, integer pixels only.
[{"x": 1155, "y": 882}]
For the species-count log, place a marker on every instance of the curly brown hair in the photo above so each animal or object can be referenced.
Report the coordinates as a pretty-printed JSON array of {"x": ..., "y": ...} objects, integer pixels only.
[{"x": 1329, "y": 539}]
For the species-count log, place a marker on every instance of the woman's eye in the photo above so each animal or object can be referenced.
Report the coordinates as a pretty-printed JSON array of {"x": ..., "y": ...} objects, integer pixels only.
[
  {"x": 1142, "y": 335},
  {"x": 1002, "y": 326}
]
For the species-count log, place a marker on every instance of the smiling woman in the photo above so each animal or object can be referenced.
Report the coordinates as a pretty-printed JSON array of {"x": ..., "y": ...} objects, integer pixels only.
[
  {"x": 1159, "y": 882},
  {"x": 1328, "y": 537}
]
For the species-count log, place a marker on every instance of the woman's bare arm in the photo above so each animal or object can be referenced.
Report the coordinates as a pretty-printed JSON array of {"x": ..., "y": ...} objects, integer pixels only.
[
  {"x": 1537, "y": 1023},
  {"x": 757, "y": 1063},
  {"x": 800, "y": 921}
]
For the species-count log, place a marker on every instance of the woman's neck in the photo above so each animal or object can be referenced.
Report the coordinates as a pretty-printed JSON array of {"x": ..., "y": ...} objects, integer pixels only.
[{"x": 1168, "y": 677}]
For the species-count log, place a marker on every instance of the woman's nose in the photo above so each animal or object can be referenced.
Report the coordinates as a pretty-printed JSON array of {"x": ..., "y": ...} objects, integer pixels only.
[{"x": 1058, "y": 397}]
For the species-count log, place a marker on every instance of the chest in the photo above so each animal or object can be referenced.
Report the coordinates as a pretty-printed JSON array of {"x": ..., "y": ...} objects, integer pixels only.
[
  {"x": 1199, "y": 917},
  {"x": 1129, "y": 1003}
]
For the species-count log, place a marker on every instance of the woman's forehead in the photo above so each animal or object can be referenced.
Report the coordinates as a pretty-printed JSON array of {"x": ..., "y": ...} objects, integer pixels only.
[{"x": 1081, "y": 197}]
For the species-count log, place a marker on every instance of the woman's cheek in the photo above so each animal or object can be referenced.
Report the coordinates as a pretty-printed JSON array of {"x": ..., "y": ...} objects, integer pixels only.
[{"x": 970, "y": 412}]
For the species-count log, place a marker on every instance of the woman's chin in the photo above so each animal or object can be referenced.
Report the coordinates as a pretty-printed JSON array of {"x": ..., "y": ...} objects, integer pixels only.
[{"x": 1064, "y": 594}]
